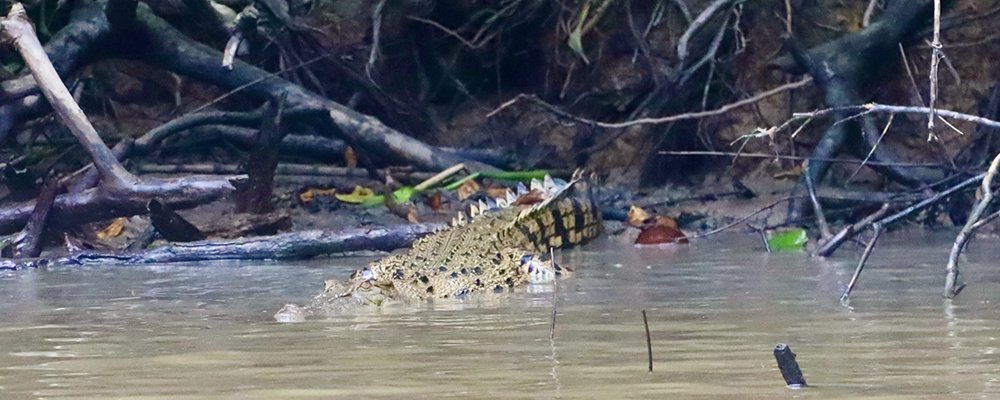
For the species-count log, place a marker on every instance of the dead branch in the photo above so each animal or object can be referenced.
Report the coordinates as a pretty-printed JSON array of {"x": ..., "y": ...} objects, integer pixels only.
[
  {"x": 736, "y": 155},
  {"x": 255, "y": 195},
  {"x": 951, "y": 286},
  {"x": 170, "y": 49},
  {"x": 283, "y": 169},
  {"x": 651, "y": 121},
  {"x": 845, "y": 297},
  {"x": 842, "y": 68},
  {"x": 29, "y": 242},
  {"x": 287, "y": 246},
  {"x": 120, "y": 192}
]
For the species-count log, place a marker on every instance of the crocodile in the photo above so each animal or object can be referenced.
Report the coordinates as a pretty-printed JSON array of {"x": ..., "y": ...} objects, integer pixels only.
[{"x": 493, "y": 247}]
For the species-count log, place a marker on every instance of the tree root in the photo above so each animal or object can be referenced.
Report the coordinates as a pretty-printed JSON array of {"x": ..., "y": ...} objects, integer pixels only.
[{"x": 842, "y": 68}]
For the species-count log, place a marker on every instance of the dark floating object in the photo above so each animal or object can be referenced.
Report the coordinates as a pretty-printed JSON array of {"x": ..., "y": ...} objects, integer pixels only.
[
  {"x": 649, "y": 342},
  {"x": 788, "y": 366}
]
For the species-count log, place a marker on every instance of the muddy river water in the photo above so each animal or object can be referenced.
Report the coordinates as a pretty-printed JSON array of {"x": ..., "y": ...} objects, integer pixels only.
[{"x": 716, "y": 309}]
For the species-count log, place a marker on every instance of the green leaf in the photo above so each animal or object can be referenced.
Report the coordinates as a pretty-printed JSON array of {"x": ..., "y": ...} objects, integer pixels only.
[
  {"x": 360, "y": 195},
  {"x": 401, "y": 195},
  {"x": 522, "y": 176},
  {"x": 788, "y": 240}
]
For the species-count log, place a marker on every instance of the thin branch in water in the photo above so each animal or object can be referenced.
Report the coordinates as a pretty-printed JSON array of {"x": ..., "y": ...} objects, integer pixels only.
[
  {"x": 743, "y": 219},
  {"x": 824, "y": 228},
  {"x": 845, "y": 298},
  {"x": 649, "y": 341},
  {"x": 951, "y": 286}
]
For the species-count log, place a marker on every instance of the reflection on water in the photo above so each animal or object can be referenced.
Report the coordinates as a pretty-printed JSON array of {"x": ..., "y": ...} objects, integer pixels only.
[{"x": 716, "y": 310}]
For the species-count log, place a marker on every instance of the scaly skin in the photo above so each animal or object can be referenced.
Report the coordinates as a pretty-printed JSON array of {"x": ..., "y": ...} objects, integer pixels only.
[{"x": 493, "y": 252}]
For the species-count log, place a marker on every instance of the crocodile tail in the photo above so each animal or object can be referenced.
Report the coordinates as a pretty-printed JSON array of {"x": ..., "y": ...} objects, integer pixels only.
[{"x": 569, "y": 216}]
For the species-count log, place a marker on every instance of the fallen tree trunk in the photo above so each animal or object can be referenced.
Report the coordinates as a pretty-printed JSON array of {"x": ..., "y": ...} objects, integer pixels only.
[{"x": 287, "y": 246}]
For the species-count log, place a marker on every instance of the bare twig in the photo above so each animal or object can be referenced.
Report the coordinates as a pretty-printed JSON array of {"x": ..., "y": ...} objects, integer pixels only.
[
  {"x": 935, "y": 60},
  {"x": 743, "y": 219},
  {"x": 845, "y": 297},
  {"x": 869, "y": 12},
  {"x": 824, "y": 228},
  {"x": 653, "y": 121},
  {"x": 827, "y": 247},
  {"x": 16, "y": 28},
  {"x": 874, "y": 147},
  {"x": 701, "y": 20},
  {"x": 649, "y": 341},
  {"x": 886, "y": 108},
  {"x": 789, "y": 157},
  {"x": 986, "y": 193}
]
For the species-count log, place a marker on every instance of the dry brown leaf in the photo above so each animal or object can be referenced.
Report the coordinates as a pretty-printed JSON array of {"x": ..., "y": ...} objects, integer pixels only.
[
  {"x": 434, "y": 202},
  {"x": 668, "y": 222},
  {"x": 791, "y": 173},
  {"x": 532, "y": 197},
  {"x": 469, "y": 188},
  {"x": 113, "y": 230},
  {"x": 659, "y": 234},
  {"x": 496, "y": 192},
  {"x": 310, "y": 194},
  {"x": 350, "y": 157},
  {"x": 637, "y": 216}
]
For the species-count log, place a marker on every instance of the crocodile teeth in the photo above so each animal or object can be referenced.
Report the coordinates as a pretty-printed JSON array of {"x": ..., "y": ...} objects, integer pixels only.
[
  {"x": 491, "y": 204},
  {"x": 502, "y": 203},
  {"x": 459, "y": 220},
  {"x": 536, "y": 185},
  {"x": 510, "y": 197},
  {"x": 483, "y": 207},
  {"x": 474, "y": 210},
  {"x": 521, "y": 190},
  {"x": 549, "y": 186}
]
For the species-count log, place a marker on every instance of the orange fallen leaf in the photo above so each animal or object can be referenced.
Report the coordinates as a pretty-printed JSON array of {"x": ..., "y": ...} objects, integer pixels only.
[
  {"x": 113, "y": 230},
  {"x": 496, "y": 192},
  {"x": 469, "y": 188},
  {"x": 310, "y": 194}
]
